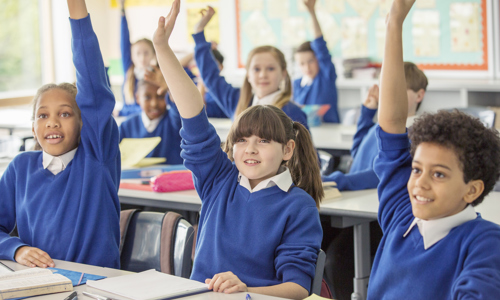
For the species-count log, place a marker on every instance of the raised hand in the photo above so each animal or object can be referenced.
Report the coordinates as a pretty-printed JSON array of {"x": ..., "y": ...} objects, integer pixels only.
[
  {"x": 206, "y": 16},
  {"x": 371, "y": 100},
  {"x": 226, "y": 283},
  {"x": 33, "y": 257},
  {"x": 166, "y": 25},
  {"x": 154, "y": 75},
  {"x": 309, "y": 4},
  {"x": 122, "y": 4},
  {"x": 77, "y": 9},
  {"x": 399, "y": 10}
]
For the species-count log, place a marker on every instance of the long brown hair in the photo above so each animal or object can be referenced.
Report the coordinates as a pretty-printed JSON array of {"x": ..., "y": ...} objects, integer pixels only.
[
  {"x": 246, "y": 91},
  {"x": 129, "y": 86},
  {"x": 271, "y": 123}
]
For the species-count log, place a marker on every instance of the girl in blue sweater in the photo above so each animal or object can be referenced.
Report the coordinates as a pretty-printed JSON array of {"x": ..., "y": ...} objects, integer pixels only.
[
  {"x": 64, "y": 199},
  {"x": 266, "y": 80},
  {"x": 435, "y": 246},
  {"x": 258, "y": 196},
  {"x": 317, "y": 86}
]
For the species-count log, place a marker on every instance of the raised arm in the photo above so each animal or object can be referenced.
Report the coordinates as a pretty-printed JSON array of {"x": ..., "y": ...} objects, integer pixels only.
[
  {"x": 125, "y": 40},
  {"x": 310, "y": 4},
  {"x": 393, "y": 107},
  {"x": 77, "y": 9}
]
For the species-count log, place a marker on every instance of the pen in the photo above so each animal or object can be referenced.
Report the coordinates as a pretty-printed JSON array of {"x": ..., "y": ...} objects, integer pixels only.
[
  {"x": 248, "y": 297},
  {"x": 81, "y": 277},
  {"x": 72, "y": 296}
]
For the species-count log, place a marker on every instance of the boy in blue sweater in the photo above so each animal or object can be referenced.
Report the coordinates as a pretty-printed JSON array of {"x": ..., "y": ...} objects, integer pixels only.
[
  {"x": 435, "y": 246},
  {"x": 317, "y": 86},
  {"x": 64, "y": 199},
  {"x": 155, "y": 120},
  {"x": 249, "y": 200}
]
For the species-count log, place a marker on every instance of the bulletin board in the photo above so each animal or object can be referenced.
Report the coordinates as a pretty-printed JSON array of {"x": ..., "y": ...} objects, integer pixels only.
[{"x": 437, "y": 34}]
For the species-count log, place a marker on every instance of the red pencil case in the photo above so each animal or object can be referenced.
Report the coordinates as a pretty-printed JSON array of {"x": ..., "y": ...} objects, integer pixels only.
[{"x": 172, "y": 181}]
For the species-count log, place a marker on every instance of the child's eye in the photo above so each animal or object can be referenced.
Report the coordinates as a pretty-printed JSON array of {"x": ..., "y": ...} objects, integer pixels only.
[
  {"x": 240, "y": 140},
  {"x": 438, "y": 175},
  {"x": 65, "y": 115},
  {"x": 270, "y": 69},
  {"x": 256, "y": 69},
  {"x": 264, "y": 141},
  {"x": 42, "y": 116},
  {"x": 415, "y": 170}
]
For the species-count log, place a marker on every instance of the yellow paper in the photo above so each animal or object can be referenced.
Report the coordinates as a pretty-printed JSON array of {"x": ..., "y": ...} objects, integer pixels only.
[
  {"x": 315, "y": 297},
  {"x": 115, "y": 3},
  {"x": 134, "y": 150},
  {"x": 212, "y": 33},
  {"x": 150, "y": 161}
]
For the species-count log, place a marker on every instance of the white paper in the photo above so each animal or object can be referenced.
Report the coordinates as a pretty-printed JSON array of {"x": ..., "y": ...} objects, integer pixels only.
[
  {"x": 385, "y": 7},
  {"x": 33, "y": 272},
  {"x": 464, "y": 27},
  {"x": 258, "y": 30},
  {"x": 331, "y": 30},
  {"x": 426, "y": 33},
  {"x": 293, "y": 31},
  {"x": 278, "y": 9},
  {"x": 335, "y": 6},
  {"x": 250, "y": 5},
  {"x": 354, "y": 38},
  {"x": 364, "y": 8},
  {"x": 380, "y": 33},
  {"x": 147, "y": 285},
  {"x": 426, "y": 3}
]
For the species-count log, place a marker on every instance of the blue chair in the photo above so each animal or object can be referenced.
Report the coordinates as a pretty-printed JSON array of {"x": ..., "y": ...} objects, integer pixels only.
[{"x": 153, "y": 240}]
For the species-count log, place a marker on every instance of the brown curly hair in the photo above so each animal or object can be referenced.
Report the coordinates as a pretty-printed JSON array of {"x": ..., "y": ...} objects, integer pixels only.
[{"x": 477, "y": 147}]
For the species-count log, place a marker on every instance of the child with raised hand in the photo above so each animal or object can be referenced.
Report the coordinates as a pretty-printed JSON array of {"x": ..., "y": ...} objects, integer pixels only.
[
  {"x": 317, "y": 85},
  {"x": 64, "y": 199},
  {"x": 435, "y": 246},
  {"x": 266, "y": 80},
  {"x": 249, "y": 199}
]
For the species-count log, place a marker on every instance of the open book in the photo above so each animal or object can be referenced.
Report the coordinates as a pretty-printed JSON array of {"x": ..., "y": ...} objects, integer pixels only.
[
  {"x": 149, "y": 285},
  {"x": 32, "y": 282}
]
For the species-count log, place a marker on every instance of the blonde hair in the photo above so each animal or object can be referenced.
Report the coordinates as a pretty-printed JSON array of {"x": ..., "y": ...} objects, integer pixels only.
[
  {"x": 271, "y": 123},
  {"x": 129, "y": 86},
  {"x": 246, "y": 91},
  {"x": 68, "y": 88}
]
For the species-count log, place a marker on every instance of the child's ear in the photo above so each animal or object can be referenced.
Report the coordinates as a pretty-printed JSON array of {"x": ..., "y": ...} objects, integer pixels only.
[
  {"x": 476, "y": 188},
  {"x": 33, "y": 130},
  {"x": 288, "y": 151},
  {"x": 420, "y": 95}
]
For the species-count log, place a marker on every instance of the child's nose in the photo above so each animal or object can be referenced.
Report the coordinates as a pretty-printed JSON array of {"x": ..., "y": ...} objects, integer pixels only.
[
  {"x": 52, "y": 122},
  {"x": 251, "y": 148},
  {"x": 422, "y": 181}
]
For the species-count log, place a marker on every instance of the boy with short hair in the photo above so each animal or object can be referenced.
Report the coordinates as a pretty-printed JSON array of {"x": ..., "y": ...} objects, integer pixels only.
[{"x": 451, "y": 253}]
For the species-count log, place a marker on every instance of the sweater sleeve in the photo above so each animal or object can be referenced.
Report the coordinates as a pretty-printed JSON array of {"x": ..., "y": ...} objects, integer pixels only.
[
  {"x": 125, "y": 45},
  {"x": 327, "y": 68},
  {"x": 99, "y": 133},
  {"x": 223, "y": 93},
  {"x": 365, "y": 122},
  {"x": 353, "y": 181},
  {"x": 296, "y": 256},
  {"x": 393, "y": 167},
  {"x": 202, "y": 153},
  {"x": 8, "y": 244}
]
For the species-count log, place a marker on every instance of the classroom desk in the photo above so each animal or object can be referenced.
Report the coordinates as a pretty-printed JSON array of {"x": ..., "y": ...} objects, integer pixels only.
[{"x": 113, "y": 273}]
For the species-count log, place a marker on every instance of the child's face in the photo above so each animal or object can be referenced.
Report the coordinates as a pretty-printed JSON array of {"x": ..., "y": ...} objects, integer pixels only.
[
  {"x": 265, "y": 74},
  {"x": 142, "y": 55},
  {"x": 259, "y": 159},
  {"x": 308, "y": 63},
  {"x": 151, "y": 103},
  {"x": 436, "y": 185},
  {"x": 57, "y": 125}
]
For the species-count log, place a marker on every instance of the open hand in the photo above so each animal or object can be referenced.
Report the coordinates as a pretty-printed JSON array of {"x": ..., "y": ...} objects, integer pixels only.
[
  {"x": 33, "y": 257},
  {"x": 206, "y": 16},
  {"x": 166, "y": 25},
  {"x": 371, "y": 101},
  {"x": 309, "y": 4},
  {"x": 154, "y": 75},
  {"x": 226, "y": 283},
  {"x": 399, "y": 10},
  {"x": 122, "y": 4}
]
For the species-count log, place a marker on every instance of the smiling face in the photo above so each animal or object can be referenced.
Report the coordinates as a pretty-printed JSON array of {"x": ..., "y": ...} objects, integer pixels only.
[
  {"x": 259, "y": 159},
  {"x": 436, "y": 185},
  {"x": 308, "y": 63},
  {"x": 265, "y": 74},
  {"x": 142, "y": 54},
  {"x": 151, "y": 103},
  {"x": 56, "y": 125}
]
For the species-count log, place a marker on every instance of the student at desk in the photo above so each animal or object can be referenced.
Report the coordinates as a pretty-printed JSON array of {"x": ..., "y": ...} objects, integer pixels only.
[
  {"x": 64, "y": 199},
  {"x": 251, "y": 204},
  {"x": 435, "y": 246}
]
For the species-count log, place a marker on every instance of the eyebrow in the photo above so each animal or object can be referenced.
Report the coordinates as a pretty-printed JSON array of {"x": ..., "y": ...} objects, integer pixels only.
[
  {"x": 436, "y": 165},
  {"x": 59, "y": 106}
]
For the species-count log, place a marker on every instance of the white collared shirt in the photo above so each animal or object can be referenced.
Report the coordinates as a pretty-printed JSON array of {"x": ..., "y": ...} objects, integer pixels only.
[
  {"x": 56, "y": 164},
  {"x": 306, "y": 80},
  {"x": 433, "y": 231},
  {"x": 266, "y": 100},
  {"x": 283, "y": 180},
  {"x": 150, "y": 125}
]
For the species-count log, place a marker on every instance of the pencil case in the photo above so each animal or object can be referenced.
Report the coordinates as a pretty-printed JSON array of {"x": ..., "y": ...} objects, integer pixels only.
[{"x": 172, "y": 181}]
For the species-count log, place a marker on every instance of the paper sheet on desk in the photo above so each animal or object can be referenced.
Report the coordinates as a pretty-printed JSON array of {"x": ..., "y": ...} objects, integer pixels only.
[
  {"x": 134, "y": 151},
  {"x": 149, "y": 285}
]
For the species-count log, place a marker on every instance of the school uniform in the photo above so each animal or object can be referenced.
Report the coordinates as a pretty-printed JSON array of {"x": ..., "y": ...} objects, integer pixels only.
[
  {"x": 213, "y": 109},
  {"x": 223, "y": 93},
  {"x": 277, "y": 224},
  {"x": 455, "y": 257},
  {"x": 68, "y": 206},
  {"x": 320, "y": 89}
]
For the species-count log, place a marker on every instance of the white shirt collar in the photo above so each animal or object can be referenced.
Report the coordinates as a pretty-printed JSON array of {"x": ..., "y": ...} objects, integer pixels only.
[
  {"x": 150, "y": 125},
  {"x": 266, "y": 100},
  {"x": 306, "y": 80},
  {"x": 283, "y": 180},
  {"x": 433, "y": 231},
  {"x": 56, "y": 164}
]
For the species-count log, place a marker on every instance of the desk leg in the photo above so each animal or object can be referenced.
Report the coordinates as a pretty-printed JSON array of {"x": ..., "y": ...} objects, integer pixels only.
[{"x": 362, "y": 260}]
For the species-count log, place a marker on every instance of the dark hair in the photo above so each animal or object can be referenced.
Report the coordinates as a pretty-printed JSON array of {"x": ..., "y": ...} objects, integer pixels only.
[
  {"x": 415, "y": 78},
  {"x": 218, "y": 56},
  {"x": 477, "y": 147},
  {"x": 304, "y": 47},
  {"x": 270, "y": 122}
]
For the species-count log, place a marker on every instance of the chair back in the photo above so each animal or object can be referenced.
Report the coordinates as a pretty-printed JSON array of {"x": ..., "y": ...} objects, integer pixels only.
[
  {"x": 153, "y": 240},
  {"x": 318, "y": 275}
]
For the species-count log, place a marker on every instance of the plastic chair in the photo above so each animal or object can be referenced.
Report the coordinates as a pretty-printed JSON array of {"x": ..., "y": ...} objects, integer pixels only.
[
  {"x": 485, "y": 115},
  {"x": 153, "y": 240},
  {"x": 317, "y": 286}
]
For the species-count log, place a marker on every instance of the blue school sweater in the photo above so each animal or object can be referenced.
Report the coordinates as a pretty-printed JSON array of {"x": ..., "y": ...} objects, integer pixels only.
[
  {"x": 133, "y": 108},
  {"x": 167, "y": 129},
  {"x": 361, "y": 176},
  {"x": 463, "y": 265},
  {"x": 74, "y": 215},
  {"x": 323, "y": 89},
  {"x": 213, "y": 109},
  {"x": 223, "y": 93},
  {"x": 265, "y": 238}
]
